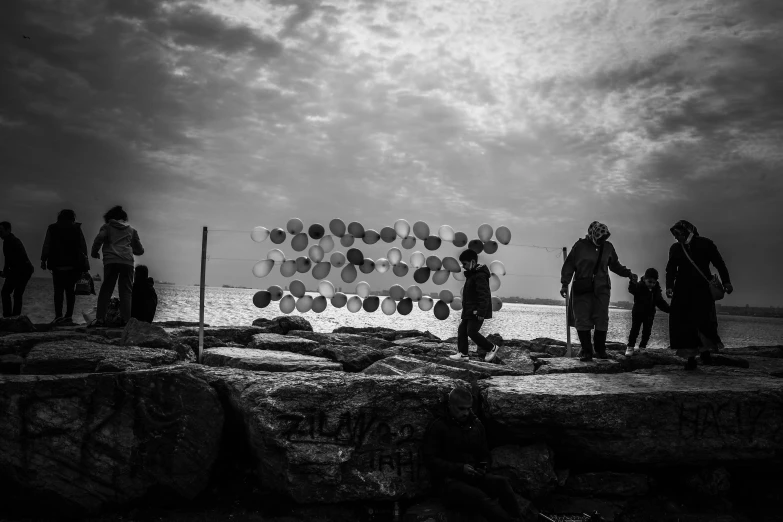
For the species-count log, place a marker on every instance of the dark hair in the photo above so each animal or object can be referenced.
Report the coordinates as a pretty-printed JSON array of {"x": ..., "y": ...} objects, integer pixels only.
[
  {"x": 651, "y": 273},
  {"x": 142, "y": 272},
  {"x": 115, "y": 213},
  {"x": 66, "y": 214},
  {"x": 6, "y": 225},
  {"x": 468, "y": 255},
  {"x": 460, "y": 393}
]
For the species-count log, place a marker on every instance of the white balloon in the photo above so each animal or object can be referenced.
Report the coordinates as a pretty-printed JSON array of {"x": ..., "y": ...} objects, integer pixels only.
[
  {"x": 485, "y": 232},
  {"x": 446, "y": 296},
  {"x": 403, "y": 228},
  {"x": 304, "y": 303},
  {"x": 456, "y": 304},
  {"x": 382, "y": 265},
  {"x": 316, "y": 253},
  {"x": 458, "y": 276},
  {"x": 337, "y": 259},
  {"x": 327, "y": 243},
  {"x": 287, "y": 304},
  {"x": 363, "y": 289},
  {"x": 494, "y": 282},
  {"x": 389, "y": 306},
  {"x": 276, "y": 255},
  {"x": 496, "y": 267},
  {"x": 414, "y": 292},
  {"x": 394, "y": 256},
  {"x": 262, "y": 268},
  {"x": 417, "y": 259},
  {"x": 426, "y": 303},
  {"x": 259, "y": 234},
  {"x": 354, "y": 304},
  {"x": 446, "y": 233},
  {"x": 326, "y": 289}
]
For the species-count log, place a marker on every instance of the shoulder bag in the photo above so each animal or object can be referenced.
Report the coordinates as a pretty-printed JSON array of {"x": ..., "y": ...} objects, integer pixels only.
[
  {"x": 716, "y": 287},
  {"x": 586, "y": 285}
]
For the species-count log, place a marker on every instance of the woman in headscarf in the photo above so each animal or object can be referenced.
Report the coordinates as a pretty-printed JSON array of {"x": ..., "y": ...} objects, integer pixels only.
[
  {"x": 693, "y": 323},
  {"x": 589, "y": 303}
]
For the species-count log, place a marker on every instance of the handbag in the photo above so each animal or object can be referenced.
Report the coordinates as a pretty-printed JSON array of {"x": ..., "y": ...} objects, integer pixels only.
[
  {"x": 716, "y": 287},
  {"x": 586, "y": 285},
  {"x": 84, "y": 286}
]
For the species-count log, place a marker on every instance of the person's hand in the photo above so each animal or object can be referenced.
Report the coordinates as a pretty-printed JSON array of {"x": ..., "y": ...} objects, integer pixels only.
[
  {"x": 669, "y": 293},
  {"x": 480, "y": 317},
  {"x": 470, "y": 471},
  {"x": 96, "y": 256},
  {"x": 634, "y": 277},
  {"x": 729, "y": 288},
  {"x": 43, "y": 265},
  {"x": 564, "y": 291}
]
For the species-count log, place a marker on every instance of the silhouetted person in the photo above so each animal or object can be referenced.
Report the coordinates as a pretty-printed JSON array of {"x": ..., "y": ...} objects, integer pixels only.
[
  {"x": 693, "y": 322},
  {"x": 647, "y": 296},
  {"x": 145, "y": 298},
  {"x": 589, "y": 263},
  {"x": 119, "y": 242},
  {"x": 17, "y": 271},
  {"x": 476, "y": 306},
  {"x": 457, "y": 456},
  {"x": 65, "y": 254}
]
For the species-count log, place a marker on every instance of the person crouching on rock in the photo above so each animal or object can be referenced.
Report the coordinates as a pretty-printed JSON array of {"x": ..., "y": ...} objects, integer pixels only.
[
  {"x": 144, "y": 298},
  {"x": 457, "y": 456},
  {"x": 647, "y": 295},
  {"x": 476, "y": 306}
]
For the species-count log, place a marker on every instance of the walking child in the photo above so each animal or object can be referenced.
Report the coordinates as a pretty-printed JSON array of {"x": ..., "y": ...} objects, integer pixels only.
[
  {"x": 647, "y": 296},
  {"x": 476, "y": 306}
]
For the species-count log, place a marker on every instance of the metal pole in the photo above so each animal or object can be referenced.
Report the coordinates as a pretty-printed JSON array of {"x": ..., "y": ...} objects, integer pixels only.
[
  {"x": 568, "y": 329},
  {"x": 201, "y": 294}
]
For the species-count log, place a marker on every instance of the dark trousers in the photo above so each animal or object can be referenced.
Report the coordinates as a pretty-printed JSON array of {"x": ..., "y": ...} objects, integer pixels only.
[
  {"x": 469, "y": 327},
  {"x": 476, "y": 494},
  {"x": 64, "y": 282},
  {"x": 121, "y": 276},
  {"x": 15, "y": 285},
  {"x": 645, "y": 323}
]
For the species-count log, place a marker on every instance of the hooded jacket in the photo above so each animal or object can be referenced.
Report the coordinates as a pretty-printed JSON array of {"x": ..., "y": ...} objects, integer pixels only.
[
  {"x": 65, "y": 247},
  {"x": 120, "y": 243},
  {"x": 645, "y": 300},
  {"x": 16, "y": 261},
  {"x": 144, "y": 300},
  {"x": 449, "y": 445},
  {"x": 582, "y": 259},
  {"x": 476, "y": 295}
]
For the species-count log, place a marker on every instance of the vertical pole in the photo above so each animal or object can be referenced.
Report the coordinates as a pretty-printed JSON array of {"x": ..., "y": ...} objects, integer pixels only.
[
  {"x": 568, "y": 329},
  {"x": 201, "y": 294}
]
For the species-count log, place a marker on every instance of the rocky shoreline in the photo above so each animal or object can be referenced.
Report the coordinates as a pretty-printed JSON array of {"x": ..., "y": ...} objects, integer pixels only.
[{"x": 283, "y": 423}]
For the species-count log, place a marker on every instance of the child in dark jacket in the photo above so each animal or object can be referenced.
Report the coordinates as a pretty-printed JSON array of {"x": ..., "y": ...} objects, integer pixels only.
[
  {"x": 476, "y": 306},
  {"x": 144, "y": 300},
  {"x": 647, "y": 295}
]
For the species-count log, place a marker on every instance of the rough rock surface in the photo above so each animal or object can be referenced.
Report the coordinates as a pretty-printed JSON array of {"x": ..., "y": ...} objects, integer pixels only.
[
  {"x": 178, "y": 324},
  {"x": 405, "y": 365},
  {"x": 209, "y": 342},
  {"x": 241, "y": 335},
  {"x": 286, "y": 343},
  {"x": 343, "y": 339},
  {"x": 107, "y": 332},
  {"x": 267, "y": 360},
  {"x": 21, "y": 343},
  {"x": 16, "y": 324},
  {"x": 758, "y": 351},
  {"x": 353, "y": 358},
  {"x": 333, "y": 437},
  {"x": 475, "y": 364},
  {"x": 101, "y": 439},
  {"x": 557, "y": 365},
  {"x": 530, "y": 469},
  {"x": 284, "y": 324},
  {"x": 70, "y": 356},
  {"x": 608, "y": 483},
  {"x": 662, "y": 416},
  {"x": 11, "y": 364},
  {"x": 770, "y": 365},
  {"x": 385, "y": 333},
  {"x": 516, "y": 358},
  {"x": 146, "y": 335}
]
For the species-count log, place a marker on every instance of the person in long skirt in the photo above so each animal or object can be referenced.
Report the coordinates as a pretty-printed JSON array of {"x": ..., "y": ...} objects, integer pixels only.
[{"x": 693, "y": 322}]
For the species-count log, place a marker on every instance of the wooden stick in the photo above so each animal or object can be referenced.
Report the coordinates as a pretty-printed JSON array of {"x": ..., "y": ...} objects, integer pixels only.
[
  {"x": 201, "y": 296},
  {"x": 568, "y": 329}
]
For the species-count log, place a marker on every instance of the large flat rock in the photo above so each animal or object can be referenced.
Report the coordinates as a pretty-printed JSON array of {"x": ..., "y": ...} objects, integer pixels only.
[
  {"x": 343, "y": 339},
  {"x": 107, "y": 439},
  {"x": 405, "y": 365},
  {"x": 353, "y": 358},
  {"x": 236, "y": 334},
  {"x": 334, "y": 437},
  {"x": 71, "y": 356},
  {"x": 556, "y": 365},
  {"x": 662, "y": 416},
  {"x": 267, "y": 360},
  {"x": 287, "y": 343},
  {"x": 21, "y": 343},
  {"x": 476, "y": 365}
]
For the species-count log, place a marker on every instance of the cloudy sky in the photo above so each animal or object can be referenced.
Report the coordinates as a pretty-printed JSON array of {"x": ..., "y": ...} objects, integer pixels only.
[{"x": 541, "y": 116}]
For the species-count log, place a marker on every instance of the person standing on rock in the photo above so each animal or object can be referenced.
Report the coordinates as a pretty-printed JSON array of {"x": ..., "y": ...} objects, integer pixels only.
[
  {"x": 693, "y": 321},
  {"x": 588, "y": 264},
  {"x": 457, "y": 456},
  {"x": 647, "y": 296},
  {"x": 64, "y": 252},
  {"x": 476, "y": 306},
  {"x": 119, "y": 242},
  {"x": 17, "y": 271}
]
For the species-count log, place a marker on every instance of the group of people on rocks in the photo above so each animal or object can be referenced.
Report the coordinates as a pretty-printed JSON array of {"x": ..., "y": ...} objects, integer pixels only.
[
  {"x": 693, "y": 323},
  {"x": 65, "y": 254}
]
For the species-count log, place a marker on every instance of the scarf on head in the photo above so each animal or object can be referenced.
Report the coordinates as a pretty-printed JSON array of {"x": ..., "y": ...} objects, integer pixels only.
[
  {"x": 687, "y": 227},
  {"x": 597, "y": 231}
]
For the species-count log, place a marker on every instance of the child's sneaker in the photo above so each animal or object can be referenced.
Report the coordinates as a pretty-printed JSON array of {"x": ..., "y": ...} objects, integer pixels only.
[
  {"x": 459, "y": 357},
  {"x": 491, "y": 354},
  {"x": 637, "y": 351},
  {"x": 629, "y": 351}
]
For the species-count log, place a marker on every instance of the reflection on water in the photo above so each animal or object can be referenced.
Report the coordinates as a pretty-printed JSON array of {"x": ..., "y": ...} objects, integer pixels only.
[{"x": 234, "y": 306}]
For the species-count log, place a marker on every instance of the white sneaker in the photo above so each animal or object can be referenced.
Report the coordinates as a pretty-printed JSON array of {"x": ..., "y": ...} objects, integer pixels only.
[
  {"x": 629, "y": 351},
  {"x": 491, "y": 354},
  {"x": 459, "y": 357}
]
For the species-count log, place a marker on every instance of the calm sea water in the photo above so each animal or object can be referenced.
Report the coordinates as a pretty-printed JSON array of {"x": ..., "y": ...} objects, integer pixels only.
[{"x": 234, "y": 306}]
